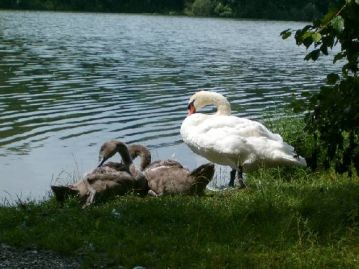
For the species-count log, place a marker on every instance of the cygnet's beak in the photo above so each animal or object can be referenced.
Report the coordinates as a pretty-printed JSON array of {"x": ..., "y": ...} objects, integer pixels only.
[{"x": 101, "y": 161}]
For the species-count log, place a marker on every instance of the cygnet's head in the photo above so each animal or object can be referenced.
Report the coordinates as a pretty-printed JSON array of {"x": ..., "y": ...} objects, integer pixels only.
[{"x": 109, "y": 148}]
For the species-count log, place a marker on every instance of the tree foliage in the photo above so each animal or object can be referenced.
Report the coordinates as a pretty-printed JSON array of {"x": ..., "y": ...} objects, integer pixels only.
[
  {"x": 263, "y": 9},
  {"x": 332, "y": 115},
  {"x": 130, "y": 6}
]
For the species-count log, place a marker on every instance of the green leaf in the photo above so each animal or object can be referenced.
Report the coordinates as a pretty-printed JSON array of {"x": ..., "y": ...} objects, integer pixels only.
[
  {"x": 339, "y": 56},
  {"x": 286, "y": 33},
  {"x": 306, "y": 35},
  {"x": 324, "y": 49},
  {"x": 332, "y": 78},
  {"x": 356, "y": 2},
  {"x": 329, "y": 16},
  {"x": 307, "y": 27},
  {"x": 314, "y": 55},
  {"x": 307, "y": 41},
  {"x": 338, "y": 24},
  {"x": 316, "y": 37}
]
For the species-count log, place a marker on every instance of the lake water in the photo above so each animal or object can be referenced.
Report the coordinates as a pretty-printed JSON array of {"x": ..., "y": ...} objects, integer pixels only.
[{"x": 70, "y": 81}]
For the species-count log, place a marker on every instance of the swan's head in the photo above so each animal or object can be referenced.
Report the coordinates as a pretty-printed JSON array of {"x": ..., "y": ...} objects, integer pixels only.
[
  {"x": 204, "y": 98},
  {"x": 62, "y": 192},
  {"x": 109, "y": 148},
  {"x": 204, "y": 172},
  {"x": 201, "y": 177}
]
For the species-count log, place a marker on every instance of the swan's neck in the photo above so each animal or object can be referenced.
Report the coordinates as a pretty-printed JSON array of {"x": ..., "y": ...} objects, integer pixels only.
[
  {"x": 145, "y": 160},
  {"x": 125, "y": 155},
  {"x": 143, "y": 152},
  {"x": 223, "y": 108},
  {"x": 222, "y": 104},
  {"x": 127, "y": 160}
]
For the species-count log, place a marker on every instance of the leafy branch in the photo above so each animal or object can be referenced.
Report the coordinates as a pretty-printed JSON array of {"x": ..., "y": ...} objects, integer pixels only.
[{"x": 332, "y": 115}]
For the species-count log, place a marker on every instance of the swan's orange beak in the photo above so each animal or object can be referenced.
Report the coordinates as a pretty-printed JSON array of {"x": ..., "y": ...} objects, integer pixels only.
[{"x": 191, "y": 109}]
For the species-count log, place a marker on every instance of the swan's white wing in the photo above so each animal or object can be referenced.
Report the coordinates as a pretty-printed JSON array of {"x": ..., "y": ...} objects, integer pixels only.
[
  {"x": 216, "y": 138},
  {"x": 230, "y": 140},
  {"x": 230, "y": 126}
]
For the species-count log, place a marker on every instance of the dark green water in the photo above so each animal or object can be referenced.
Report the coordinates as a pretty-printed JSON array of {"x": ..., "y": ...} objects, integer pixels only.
[{"x": 70, "y": 81}]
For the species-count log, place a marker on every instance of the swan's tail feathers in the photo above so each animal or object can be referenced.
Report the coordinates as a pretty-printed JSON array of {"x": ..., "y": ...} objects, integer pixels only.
[
  {"x": 293, "y": 159},
  {"x": 277, "y": 137},
  {"x": 301, "y": 161},
  {"x": 290, "y": 155}
]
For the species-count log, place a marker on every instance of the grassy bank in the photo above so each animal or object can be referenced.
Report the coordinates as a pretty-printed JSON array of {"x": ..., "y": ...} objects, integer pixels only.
[{"x": 287, "y": 218}]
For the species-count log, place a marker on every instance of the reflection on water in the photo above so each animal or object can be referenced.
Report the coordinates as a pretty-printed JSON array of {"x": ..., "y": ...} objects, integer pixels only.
[{"x": 69, "y": 81}]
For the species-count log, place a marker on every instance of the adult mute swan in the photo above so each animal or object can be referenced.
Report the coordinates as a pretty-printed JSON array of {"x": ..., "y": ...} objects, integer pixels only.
[{"x": 240, "y": 143}]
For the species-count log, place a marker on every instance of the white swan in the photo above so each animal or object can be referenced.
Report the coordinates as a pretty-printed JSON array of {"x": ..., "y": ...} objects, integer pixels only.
[{"x": 242, "y": 144}]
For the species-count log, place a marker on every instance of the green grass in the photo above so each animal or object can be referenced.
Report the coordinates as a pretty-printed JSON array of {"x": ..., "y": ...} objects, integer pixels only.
[{"x": 287, "y": 218}]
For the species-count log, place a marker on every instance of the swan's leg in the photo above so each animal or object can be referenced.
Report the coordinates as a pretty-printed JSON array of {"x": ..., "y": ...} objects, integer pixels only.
[
  {"x": 233, "y": 176},
  {"x": 240, "y": 178}
]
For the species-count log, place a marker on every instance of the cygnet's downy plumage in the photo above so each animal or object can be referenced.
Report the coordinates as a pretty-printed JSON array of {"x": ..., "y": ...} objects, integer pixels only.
[
  {"x": 107, "y": 180},
  {"x": 166, "y": 176}
]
